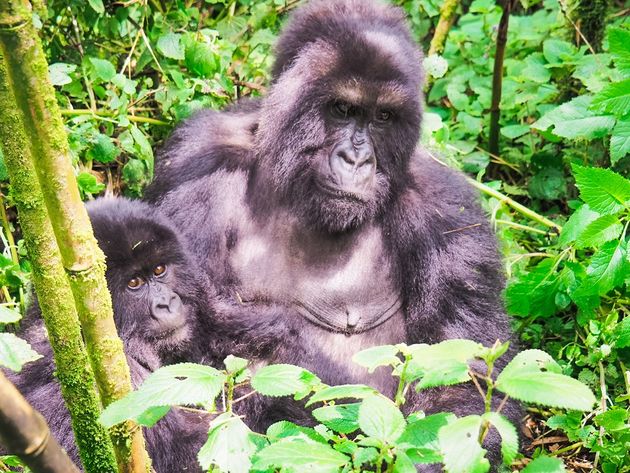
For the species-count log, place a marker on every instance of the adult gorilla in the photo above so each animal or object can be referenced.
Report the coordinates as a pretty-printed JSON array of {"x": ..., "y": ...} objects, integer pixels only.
[{"x": 321, "y": 199}]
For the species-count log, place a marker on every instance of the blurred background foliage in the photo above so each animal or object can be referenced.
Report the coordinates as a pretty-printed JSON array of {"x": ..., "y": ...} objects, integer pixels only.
[{"x": 127, "y": 71}]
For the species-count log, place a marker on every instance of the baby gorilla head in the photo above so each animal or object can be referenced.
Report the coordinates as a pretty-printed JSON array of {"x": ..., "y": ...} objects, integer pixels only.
[{"x": 155, "y": 291}]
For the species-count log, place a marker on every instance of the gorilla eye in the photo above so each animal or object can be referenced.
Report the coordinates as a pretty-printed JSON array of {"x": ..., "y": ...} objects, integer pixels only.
[
  {"x": 383, "y": 115},
  {"x": 159, "y": 270},
  {"x": 135, "y": 283},
  {"x": 343, "y": 109}
]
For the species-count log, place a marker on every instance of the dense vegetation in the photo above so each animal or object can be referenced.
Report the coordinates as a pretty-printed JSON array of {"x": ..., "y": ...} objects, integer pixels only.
[{"x": 126, "y": 72}]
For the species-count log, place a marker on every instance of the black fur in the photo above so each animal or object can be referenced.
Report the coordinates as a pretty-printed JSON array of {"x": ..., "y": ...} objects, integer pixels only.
[
  {"x": 243, "y": 187},
  {"x": 135, "y": 239}
]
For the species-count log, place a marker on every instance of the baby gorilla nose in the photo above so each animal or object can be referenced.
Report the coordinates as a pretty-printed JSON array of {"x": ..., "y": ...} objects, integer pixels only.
[
  {"x": 166, "y": 305},
  {"x": 353, "y": 166}
]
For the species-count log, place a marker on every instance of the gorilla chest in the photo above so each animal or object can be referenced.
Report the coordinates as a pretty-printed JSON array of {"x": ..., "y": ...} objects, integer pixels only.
[{"x": 341, "y": 283}]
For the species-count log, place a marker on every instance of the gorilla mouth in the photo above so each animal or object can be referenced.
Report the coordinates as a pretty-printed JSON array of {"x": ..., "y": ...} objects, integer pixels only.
[{"x": 340, "y": 193}]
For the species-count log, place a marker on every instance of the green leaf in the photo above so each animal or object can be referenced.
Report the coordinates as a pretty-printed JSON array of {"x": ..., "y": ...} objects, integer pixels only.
[
  {"x": 533, "y": 376},
  {"x": 453, "y": 349},
  {"x": 283, "y": 380},
  {"x": 534, "y": 293},
  {"x": 460, "y": 447},
  {"x": 622, "y": 333},
  {"x": 545, "y": 465},
  {"x": 285, "y": 429},
  {"x": 181, "y": 384},
  {"x": 574, "y": 120},
  {"x": 559, "y": 53},
  {"x": 170, "y": 46},
  {"x": 514, "y": 131},
  {"x": 344, "y": 391},
  {"x": 297, "y": 456},
  {"x": 403, "y": 464},
  {"x": 88, "y": 184},
  {"x": 602, "y": 230},
  {"x": 444, "y": 373},
  {"x": 606, "y": 271},
  {"x": 576, "y": 224},
  {"x": 435, "y": 66},
  {"x": 613, "y": 420},
  {"x": 372, "y": 358},
  {"x": 59, "y": 73},
  {"x": 420, "y": 438},
  {"x": 9, "y": 316},
  {"x": 342, "y": 418},
  {"x": 234, "y": 364},
  {"x": 603, "y": 190},
  {"x": 103, "y": 149},
  {"x": 548, "y": 184},
  {"x": 620, "y": 141},
  {"x": 509, "y": 436},
  {"x": 142, "y": 146},
  {"x": 618, "y": 41},
  {"x": 104, "y": 69},
  {"x": 381, "y": 419},
  {"x": 201, "y": 59},
  {"x": 15, "y": 352},
  {"x": 229, "y": 447},
  {"x": 97, "y": 6},
  {"x": 614, "y": 98}
]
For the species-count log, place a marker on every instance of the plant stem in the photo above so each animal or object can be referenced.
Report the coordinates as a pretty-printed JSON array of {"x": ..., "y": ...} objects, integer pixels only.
[
  {"x": 7, "y": 232},
  {"x": 447, "y": 16},
  {"x": 400, "y": 397},
  {"x": 84, "y": 263},
  {"x": 103, "y": 113},
  {"x": 497, "y": 79}
]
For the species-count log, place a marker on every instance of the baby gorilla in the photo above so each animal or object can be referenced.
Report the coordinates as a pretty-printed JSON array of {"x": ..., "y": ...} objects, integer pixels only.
[{"x": 158, "y": 299}]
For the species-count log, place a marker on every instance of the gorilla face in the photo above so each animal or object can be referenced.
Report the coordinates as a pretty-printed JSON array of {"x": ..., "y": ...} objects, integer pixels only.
[
  {"x": 340, "y": 124},
  {"x": 155, "y": 290}
]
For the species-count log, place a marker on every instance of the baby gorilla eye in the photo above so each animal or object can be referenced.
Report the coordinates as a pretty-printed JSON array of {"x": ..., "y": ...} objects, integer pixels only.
[
  {"x": 135, "y": 283},
  {"x": 383, "y": 116},
  {"x": 159, "y": 270}
]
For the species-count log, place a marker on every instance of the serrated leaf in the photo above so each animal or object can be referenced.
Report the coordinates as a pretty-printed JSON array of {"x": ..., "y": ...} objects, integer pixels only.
[
  {"x": 9, "y": 316},
  {"x": 403, "y": 464},
  {"x": 381, "y": 419},
  {"x": 97, "y": 6},
  {"x": 181, "y": 384},
  {"x": 602, "y": 230},
  {"x": 509, "y": 436},
  {"x": 282, "y": 380},
  {"x": 460, "y": 447},
  {"x": 230, "y": 445},
  {"x": 613, "y": 419},
  {"x": 453, "y": 349},
  {"x": 59, "y": 73},
  {"x": 559, "y": 52},
  {"x": 142, "y": 146},
  {"x": 614, "y": 98},
  {"x": 201, "y": 59},
  {"x": 574, "y": 120},
  {"x": 531, "y": 361},
  {"x": 622, "y": 333},
  {"x": 618, "y": 41},
  {"x": 420, "y": 438},
  {"x": 603, "y": 190},
  {"x": 103, "y": 68},
  {"x": 545, "y": 465},
  {"x": 444, "y": 373},
  {"x": 15, "y": 352},
  {"x": 344, "y": 391},
  {"x": 514, "y": 131},
  {"x": 620, "y": 141},
  {"x": 548, "y": 389},
  {"x": 234, "y": 364},
  {"x": 576, "y": 224},
  {"x": 170, "y": 46},
  {"x": 296, "y": 456},
  {"x": 607, "y": 270},
  {"x": 534, "y": 293},
  {"x": 374, "y": 357},
  {"x": 342, "y": 418},
  {"x": 286, "y": 429}
]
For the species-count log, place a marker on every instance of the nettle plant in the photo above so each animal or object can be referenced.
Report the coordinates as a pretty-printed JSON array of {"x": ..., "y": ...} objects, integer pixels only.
[{"x": 358, "y": 428}]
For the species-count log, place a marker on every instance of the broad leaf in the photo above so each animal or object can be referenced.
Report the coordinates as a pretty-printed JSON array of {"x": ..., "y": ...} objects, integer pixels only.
[
  {"x": 444, "y": 373},
  {"x": 620, "y": 141},
  {"x": 607, "y": 270},
  {"x": 576, "y": 224},
  {"x": 286, "y": 429},
  {"x": 342, "y": 418},
  {"x": 9, "y": 316},
  {"x": 509, "y": 436},
  {"x": 618, "y": 41},
  {"x": 622, "y": 333},
  {"x": 15, "y": 352},
  {"x": 344, "y": 391},
  {"x": 170, "y": 46},
  {"x": 103, "y": 68},
  {"x": 230, "y": 445},
  {"x": 460, "y": 446},
  {"x": 103, "y": 149},
  {"x": 297, "y": 456},
  {"x": 283, "y": 380},
  {"x": 59, "y": 73},
  {"x": 374, "y": 357},
  {"x": 602, "y": 230},
  {"x": 454, "y": 349},
  {"x": 574, "y": 120},
  {"x": 420, "y": 438},
  {"x": 181, "y": 384},
  {"x": 381, "y": 419},
  {"x": 614, "y": 98},
  {"x": 545, "y": 465},
  {"x": 534, "y": 293},
  {"x": 603, "y": 190}
]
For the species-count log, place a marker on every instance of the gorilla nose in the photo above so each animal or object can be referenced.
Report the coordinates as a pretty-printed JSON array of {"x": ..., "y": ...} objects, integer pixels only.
[
  {"x": 166, "y": 306},
  {"x": 353, "y": 166}
]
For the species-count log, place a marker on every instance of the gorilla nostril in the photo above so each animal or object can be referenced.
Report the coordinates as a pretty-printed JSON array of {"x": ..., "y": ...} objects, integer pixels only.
[{"x": 346, "y": 157}]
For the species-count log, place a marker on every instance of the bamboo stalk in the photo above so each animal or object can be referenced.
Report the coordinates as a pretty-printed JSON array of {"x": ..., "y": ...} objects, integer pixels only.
[
  {"x": 25, "y": 433},
  {"x": 497, "y": 79},
  {"x": 83, "y": 261},
  {"x": 55, "y": 296}
]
